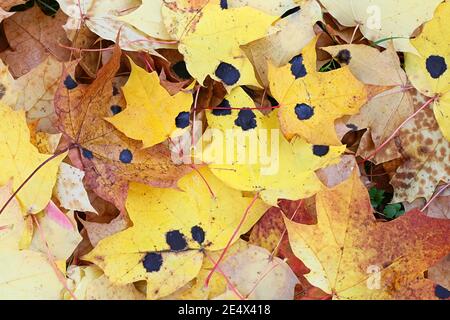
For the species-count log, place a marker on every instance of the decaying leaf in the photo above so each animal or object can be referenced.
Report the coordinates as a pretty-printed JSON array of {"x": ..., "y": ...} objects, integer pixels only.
[
  {"x": 352, "y": 256},
  {"x": 427, "y": 155},
  {"x": 19, "y": 158}
]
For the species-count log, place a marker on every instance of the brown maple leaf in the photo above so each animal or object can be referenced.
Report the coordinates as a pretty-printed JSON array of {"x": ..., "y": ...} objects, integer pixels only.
[{"x": 109, "y": 158}]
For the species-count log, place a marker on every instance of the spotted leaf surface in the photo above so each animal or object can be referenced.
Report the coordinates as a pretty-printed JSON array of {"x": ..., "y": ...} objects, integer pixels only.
[
  {"x": 210, "y": 40},
  {"x": 152, "y": 114},
  {"x": 310, "y": 100},
  {"x": 260, "y": 158},
  {"x": 164, "y": 246},
  {"x": 429, "y": 70}
]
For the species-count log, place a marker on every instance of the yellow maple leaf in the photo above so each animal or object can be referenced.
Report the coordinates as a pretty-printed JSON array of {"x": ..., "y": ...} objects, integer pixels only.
[
  {"x": 310, "y": 100},
  {"x": 352, "y": 256},
  {"x": 276, "y": 168},
  {"x": 428, "y": 71},
  {"x": 19, "y": 158},
  {"x": 165, "y": 245},
  {"x": 26, "y": 275},
  {"x": 210, "y": 40},
  {"x": 152, "y": 114}
]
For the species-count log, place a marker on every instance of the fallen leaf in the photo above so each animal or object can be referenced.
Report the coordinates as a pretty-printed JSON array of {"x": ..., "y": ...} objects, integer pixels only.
[
  {"x": 426, "y": 153},
  {"x": 33, "y": 36},
  {"x": 152, "y": 115},
  {"x": 428, "y": 70},
  {"x": 70, "y": 191},
  {"x": 309, "y": 99},
  {"x": 27, "y": 275},
  {"x": 20, "y": 158},
  {"x": 352, "y": 256},
  {"x": 380, "y": 20},
  {"x": 224, "y": 31}
]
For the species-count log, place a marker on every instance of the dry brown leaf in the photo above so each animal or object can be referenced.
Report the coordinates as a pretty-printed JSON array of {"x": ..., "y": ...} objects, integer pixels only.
[{"x": 32, "y": 36}]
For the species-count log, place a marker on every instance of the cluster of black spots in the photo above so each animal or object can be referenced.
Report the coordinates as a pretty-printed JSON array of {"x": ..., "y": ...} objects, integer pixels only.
[
  {"x": 304, "y": 111},
  {"x": 441, "y": 292},
  {"x": 126, "y": 156},
  {"x": 320, "y": 151},
  {"x": 87, "y": 154},
  {"x": 298, "y": 69},
  {"x": 344, "y": 56},
  {"x": 153, "y": 262},
  {"x": 183, "y": 120},
  {"x": 224, "y": 4},
  {"x": 70, "y": 83},
  {"x": 436, "y": 66},
  {"x": 176, "y": 240},
  {"x": 228, "y": 73},
  {"x": 290, "y": 11},
  {"x": 198, "y": 234},
  {"x": 223, "y": 109},
  {"x": 116, "y": 109},
  {"x": 181, "y": 70},
  {"x": 246, "y": 119}
]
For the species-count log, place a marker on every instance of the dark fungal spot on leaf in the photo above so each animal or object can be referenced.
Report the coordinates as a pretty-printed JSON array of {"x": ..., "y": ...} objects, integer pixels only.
[
  {"x": 228, "y": 73},
  {"x": 198, "y": 234},
  {"x": 2, "y": 91},
  {"x": 176, "y": 241},
  {"x": 441, "y": 292},
  {"x": 223, "y": 109},
  {"x": 304, "y": 111},
  {"x": 320, "y": 151},
  {"x": 152, "y": 262},
  {"x": 70, "y": 83},
  {"x": 126, "y": 156},
  {"x": 344, "y": 56},
  {"x": 298, "y": 69},
  {"x": 436, "y": 66},
  {"x": 182, "y": 120},
  {"x": 181, "y": 70},
  {"x": 246, "y": 119},
  {"x": 290, "y": 11},
  {"x": 224, "y": 4},
  {"x": 115, "y": 109},
  {"x": 87, "y": 154}
]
